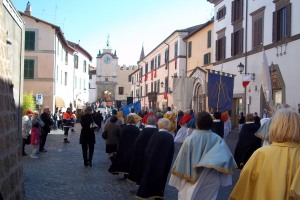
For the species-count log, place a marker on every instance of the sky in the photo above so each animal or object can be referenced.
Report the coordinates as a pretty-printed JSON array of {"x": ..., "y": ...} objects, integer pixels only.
[{"x": 130, "y": 24}]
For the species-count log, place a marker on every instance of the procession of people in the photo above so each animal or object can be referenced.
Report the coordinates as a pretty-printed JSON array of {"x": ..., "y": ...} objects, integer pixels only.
[{"x": 191, "y": 147}]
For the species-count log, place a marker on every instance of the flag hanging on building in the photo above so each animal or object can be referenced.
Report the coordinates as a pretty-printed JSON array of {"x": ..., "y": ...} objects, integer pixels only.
[
  {"x": 136, "y": 105},
  {"x": 220, "y": 91},
  {"x": 155, "y": 72},
  {"x": 266, "y": 80},
  {"x": 246, "y": 79},
  {"x": 146, "y": 77},
  {"x": 175, "y": 63},
  {"x": 151, "y": 75}
]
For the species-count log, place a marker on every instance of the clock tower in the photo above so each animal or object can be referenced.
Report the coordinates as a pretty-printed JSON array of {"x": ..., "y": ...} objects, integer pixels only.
[{"x": 106, "y": 75}]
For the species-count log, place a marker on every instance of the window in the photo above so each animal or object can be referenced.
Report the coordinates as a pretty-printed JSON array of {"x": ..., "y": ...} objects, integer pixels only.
[
  {"x": 166, "y": 84},
  {"x": 158, "y": 60},
  {"x": 221, "y": 13},
  {"x": 76, "y": 61},
  {"x": 28, "y": 69},
  {"x": 66, "y": 57},
  {"x": 155, "y": 62},
  {"x": 282, "y": 22},
  {"x": 155, "y": 86},
  {"x": 152, "y": 65},
  {"x": 66, "y": 78},
  {"x": 84, "y": 66},
  {"x": 167, "y": 55},
  {"x": 121, "y": 90},
  {"x": 29, "y": 40},
  {"x": 61, "y": 77},
  {"x": 58, "y": 48},
  {"x": 206, "y": 59},
  {"x": 190, "y": 49},
  {"x": 176, "y": 49},
  {"x": 237, "y": 42},
  {"x": 237, "y": 10},
  {"x": 208, "y": 39},
  {"x": 152, "y": 87},
  {"x": 257, "y": 32},
  {"x": 146, "y": 68},
  {"x": 257, "y": 27},
  {"x": 220, "y": 48},
  {"x": 146, "y": 88}
]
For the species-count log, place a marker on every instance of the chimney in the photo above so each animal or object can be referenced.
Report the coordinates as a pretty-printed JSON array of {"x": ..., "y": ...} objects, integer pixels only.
[{"x": 28, "y": 8}]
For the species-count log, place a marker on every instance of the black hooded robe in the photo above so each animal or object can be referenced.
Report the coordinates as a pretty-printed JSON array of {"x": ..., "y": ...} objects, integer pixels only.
[
  {"x": 137, "y": 161},
  {"x": 247, "y": 144},
  {"x": 157, "y": 164},
  {"x": 121, "y": 164}
]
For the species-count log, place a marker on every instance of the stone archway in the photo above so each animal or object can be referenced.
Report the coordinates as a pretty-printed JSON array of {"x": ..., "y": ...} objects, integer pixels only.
[{"x": 198, "y": 103}]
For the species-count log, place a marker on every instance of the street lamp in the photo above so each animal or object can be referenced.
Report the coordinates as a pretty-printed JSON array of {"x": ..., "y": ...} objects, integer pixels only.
[{"x": 241, "y": 68}]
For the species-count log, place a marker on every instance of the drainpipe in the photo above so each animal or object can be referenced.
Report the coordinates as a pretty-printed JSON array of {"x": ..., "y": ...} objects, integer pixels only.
[
  {"x": 168, "y": 74},
  {"x": 246, "y": 53}
]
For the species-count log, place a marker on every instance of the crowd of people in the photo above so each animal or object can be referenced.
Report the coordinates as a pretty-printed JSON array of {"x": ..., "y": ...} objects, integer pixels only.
[{"x": 146, "y": 147}]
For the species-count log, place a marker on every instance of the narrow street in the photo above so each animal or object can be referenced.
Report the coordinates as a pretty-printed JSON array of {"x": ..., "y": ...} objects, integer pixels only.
[{"x": 60, "y": 174}]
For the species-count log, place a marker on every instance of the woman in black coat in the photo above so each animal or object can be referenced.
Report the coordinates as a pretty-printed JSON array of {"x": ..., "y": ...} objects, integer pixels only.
[{"x": 87, "y": 136}]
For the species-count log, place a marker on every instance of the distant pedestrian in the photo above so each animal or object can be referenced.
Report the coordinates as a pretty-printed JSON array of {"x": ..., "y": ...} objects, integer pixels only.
[
  {"x": 273, "y": 172},
  {"x": 157, "y": 162},
  {"x": 141, "y": 143},
  {"x": 247, "y": 142},
  {"x": 256, "y": 119},
  {"x": 45, "y": 117},
  {"x": 26, "y": 129},
  {"x": 67, "y": 123},
  {"x": 35, "y": 134},
  {"x": 113, "y": 136},
  {"x": 225, "y": 117},
  {"x": 87, "y": 136},
  {"x": 242, "y": 120},
  {"x": 203, "y": 164},
  {"x": 129, "y": 133},
  {"x": 73, "y": 120},
  {"x": 98, "y": 118}
]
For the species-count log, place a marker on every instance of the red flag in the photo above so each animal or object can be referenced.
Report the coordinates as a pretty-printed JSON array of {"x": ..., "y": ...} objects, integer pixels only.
[
  {"x": 146, "y": 77},
  {"x": 246, "y": 79},
  {"x": 152, "y": 75},
  {"x": 155, "y": 73},
  {"x": 165, "y": 95},
  {"x": 175, "y": 63}
]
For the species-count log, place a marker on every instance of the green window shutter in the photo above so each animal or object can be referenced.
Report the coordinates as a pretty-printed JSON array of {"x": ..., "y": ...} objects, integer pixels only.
[
  {"x": 28, "y": 69},
  {"x": 30, "y": 40}
]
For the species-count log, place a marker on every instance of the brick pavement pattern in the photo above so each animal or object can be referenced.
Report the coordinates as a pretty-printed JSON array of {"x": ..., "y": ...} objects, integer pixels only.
[{"x": 60, "y": 174}]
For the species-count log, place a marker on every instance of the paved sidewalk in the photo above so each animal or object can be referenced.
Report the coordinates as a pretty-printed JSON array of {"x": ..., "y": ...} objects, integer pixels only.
[{"x": 60, "y": 174}]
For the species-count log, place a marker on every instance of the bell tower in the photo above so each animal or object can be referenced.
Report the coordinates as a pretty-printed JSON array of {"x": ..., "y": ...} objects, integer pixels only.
[{"x": 106, "y": 74}]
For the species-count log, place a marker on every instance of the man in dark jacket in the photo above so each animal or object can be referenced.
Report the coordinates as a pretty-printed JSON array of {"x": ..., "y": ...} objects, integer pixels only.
[
  {"x": 218, "y": 125},
  {"x": 45, "y": 117}
]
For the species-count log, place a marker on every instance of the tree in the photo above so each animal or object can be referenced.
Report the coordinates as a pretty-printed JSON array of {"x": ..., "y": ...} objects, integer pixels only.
[{"x": 28, "y": 102}]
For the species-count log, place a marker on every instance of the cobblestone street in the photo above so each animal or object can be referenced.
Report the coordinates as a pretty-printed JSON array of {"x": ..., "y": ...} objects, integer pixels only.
[{"x": 60, "y": 174}]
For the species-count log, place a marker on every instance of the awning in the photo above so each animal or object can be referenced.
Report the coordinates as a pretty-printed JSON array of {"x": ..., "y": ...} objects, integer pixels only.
[{"x": 59, "y": 102}]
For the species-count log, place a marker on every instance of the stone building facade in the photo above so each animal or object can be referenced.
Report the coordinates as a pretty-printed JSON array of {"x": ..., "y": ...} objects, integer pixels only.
[{"x": 11, "y": 84}]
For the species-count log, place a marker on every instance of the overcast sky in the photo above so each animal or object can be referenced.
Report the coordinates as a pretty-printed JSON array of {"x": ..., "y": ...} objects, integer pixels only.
[{"x": 129, "y": 23}]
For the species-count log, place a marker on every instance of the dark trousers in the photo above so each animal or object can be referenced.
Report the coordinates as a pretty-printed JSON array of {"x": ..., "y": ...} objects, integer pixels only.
[
  {"x": 66, "y": 131},
  {"x": 23, "y": 146},
  {"x": 43, "y": 139},
  {"x": 87, "y": 149}
]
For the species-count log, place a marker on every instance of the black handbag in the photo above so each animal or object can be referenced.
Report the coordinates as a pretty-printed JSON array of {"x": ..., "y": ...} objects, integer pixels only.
[{"x": 28, "y": 139}]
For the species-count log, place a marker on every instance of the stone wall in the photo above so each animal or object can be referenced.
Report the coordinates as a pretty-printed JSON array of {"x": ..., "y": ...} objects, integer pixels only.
[{"x": 11, "y": 78}]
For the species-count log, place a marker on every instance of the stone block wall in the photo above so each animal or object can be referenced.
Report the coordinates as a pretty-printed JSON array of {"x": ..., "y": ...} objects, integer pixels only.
[{"x": 11, "y": 78}]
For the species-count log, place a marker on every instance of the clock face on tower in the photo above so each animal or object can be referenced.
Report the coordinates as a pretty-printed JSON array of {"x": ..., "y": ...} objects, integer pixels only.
[{"x": 107, "y": 59}]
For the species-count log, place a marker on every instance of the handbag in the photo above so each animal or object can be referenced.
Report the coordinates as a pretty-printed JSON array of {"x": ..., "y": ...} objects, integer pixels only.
[
  {"x": 104, "y": 134},
  {"x": 94, "y": 127},
  {"x": 28, "y": 139}
]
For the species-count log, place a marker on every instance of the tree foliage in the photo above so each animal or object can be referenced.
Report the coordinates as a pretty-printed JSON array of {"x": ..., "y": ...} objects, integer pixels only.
[{"x": 28, "y": 102}]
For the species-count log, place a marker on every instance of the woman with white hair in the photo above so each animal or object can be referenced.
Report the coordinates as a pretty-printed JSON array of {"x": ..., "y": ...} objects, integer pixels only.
[{"x": 273, "y": 172}]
